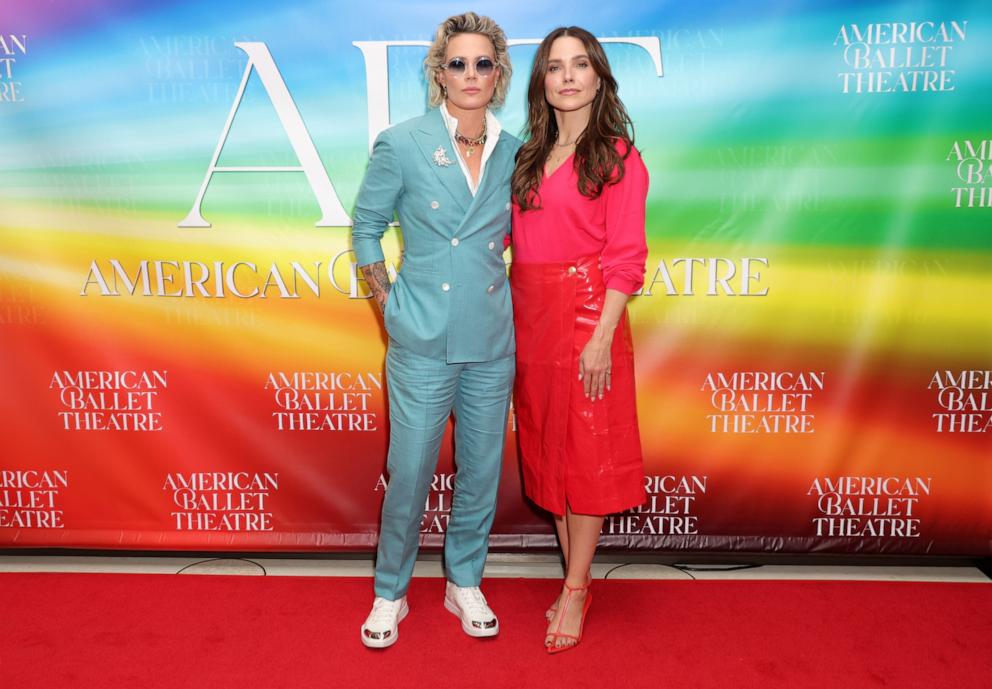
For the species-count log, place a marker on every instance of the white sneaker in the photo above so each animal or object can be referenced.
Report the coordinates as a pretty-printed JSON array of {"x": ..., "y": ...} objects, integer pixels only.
[
  {"x": 381, "y": 628},
  {"x": 470, "y": 606}
]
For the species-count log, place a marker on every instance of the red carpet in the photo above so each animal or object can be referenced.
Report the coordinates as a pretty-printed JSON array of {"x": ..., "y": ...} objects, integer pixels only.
[{"x": 190, "y": 632}]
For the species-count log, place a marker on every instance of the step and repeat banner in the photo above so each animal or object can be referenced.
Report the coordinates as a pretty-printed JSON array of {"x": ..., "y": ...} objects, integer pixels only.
[{"x": 189, "y": 358}]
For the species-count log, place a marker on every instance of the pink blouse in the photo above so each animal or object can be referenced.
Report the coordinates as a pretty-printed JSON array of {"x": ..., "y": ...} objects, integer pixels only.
[{"x": 569, "y": 226}]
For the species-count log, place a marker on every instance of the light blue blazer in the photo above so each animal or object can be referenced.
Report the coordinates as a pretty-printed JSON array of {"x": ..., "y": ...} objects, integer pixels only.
[{"x": 451, "y": 300}]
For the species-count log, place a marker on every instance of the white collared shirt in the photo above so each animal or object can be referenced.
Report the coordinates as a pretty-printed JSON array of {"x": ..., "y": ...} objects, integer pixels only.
[{"x": 493, "y": 130}]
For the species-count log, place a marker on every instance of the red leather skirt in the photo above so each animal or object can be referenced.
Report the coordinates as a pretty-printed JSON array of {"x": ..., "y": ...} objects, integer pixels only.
[{"x": 574, "y": 451}]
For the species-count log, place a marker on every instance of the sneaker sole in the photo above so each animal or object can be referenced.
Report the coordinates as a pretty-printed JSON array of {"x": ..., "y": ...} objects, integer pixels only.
[
  {"x": 469, "y": 629},
  {"x": 386, "y": 643}
]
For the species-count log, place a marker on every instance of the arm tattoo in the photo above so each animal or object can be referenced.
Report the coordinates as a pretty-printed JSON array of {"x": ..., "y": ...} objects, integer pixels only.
[{"x": 378, "y": 280}]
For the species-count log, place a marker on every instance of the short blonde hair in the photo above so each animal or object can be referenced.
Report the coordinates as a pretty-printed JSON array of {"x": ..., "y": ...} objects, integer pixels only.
[{"x": 469, "y": 22}]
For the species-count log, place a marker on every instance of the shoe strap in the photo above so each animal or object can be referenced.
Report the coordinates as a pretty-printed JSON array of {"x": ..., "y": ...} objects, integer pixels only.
[{"x": 563, "y": 605}]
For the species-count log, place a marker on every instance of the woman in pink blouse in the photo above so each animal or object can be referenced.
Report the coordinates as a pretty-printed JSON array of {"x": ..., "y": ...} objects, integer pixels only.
[{"x": 579, "y": 252}]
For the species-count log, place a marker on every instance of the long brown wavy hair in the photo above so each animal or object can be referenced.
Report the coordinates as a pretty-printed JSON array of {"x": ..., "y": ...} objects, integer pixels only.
[{"x": 597, "y": 160}]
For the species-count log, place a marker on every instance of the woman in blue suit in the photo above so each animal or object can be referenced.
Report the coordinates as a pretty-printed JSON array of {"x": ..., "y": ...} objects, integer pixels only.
[{"x": 449, "y": 318}]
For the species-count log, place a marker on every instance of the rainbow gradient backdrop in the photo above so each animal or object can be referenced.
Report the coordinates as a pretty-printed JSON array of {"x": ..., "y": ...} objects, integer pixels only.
[{"x": 874, "y": 276}]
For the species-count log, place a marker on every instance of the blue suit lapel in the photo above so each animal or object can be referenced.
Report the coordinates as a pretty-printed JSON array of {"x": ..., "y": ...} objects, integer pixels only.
[
  {"x": 495, "y": 174},
  {"x": 429, "y": 137}
]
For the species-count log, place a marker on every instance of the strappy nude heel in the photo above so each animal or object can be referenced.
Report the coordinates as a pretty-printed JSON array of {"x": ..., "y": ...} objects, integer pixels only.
[{"x": 552, "y": 644}]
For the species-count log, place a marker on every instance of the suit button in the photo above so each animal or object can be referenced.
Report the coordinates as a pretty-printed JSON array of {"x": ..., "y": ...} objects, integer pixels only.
[
  {"x": 571, "y": 270},
  {"x": 490, "y": 288},
  {"x": 509, "y": 206},
  {"x": 445, "y": 286},
  {"x": 435, "y": 205},
  {"x": 454, "y": 241},
  {"x": 492, "y": 245}
]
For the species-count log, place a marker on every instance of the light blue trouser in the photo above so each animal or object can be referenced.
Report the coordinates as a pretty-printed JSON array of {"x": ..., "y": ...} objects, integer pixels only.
[{"x": 423, "y": 392}]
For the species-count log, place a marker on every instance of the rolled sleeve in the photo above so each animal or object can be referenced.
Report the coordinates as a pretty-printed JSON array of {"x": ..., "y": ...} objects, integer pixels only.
[
  {"x": 626, "y": 251},
  {"x": 377, "y": 198}
]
